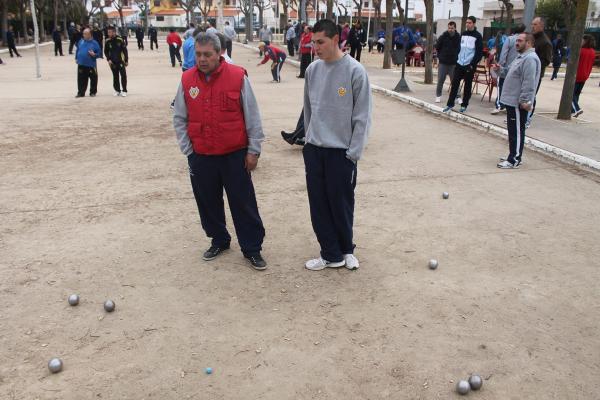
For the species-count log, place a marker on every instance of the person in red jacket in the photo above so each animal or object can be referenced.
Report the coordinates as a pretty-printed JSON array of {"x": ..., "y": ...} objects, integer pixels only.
[
  {"x": 586, "y": 62},
  {"x": 218, "y": 128},
  {"x": 306, "y": 50},
  {"x": 174, "y": 42},
  {"x": 277, "y": 56}
]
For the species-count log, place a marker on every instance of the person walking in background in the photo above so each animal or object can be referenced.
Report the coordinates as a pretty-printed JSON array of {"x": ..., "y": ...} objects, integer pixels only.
[
  {"x": 229, "y": 33},
  {"x": 174, "y": 42},
  {"x": 543, "y": 49},
  {"x": 586, "y": 62},
  {"x": 337, "y": 118},
  {"x": 517, "y": 96},
  {"x": 86, "y": 53},
  {"x": 189, "y": 50},
  {"x": 222, "y": 141},
  {"x": 306, "y": 50},
  {"x": 153, "y": 35},
  {"x": 72, "y": 40},
  {"x": 380, "y": 41},
  {"x": 557, "y": 55},
  {"x": 344, "y": 36},
  {"x": 57, "y": 39},
  {"x": 277, "y": 56},
  {"x": 98, "y": 37},
  {"x": 507, "y": 55},
  {"x": 10, "y": 42},
  {"x": 290, "y": 34},
  {"x": 448, "y": 47},
  {"x": 266, "y": 36},
  {"x": 118, "y": 59},
  {"x": 357, "y": 39},
  {"x": 139, "y": 36},
  {"x": 471, "y": 51}
]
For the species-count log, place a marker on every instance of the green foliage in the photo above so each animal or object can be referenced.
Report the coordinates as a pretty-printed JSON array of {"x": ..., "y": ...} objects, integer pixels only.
[{"x": 556, "y": 12}]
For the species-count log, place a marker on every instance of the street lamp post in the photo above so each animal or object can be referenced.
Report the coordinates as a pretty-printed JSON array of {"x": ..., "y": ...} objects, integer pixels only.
[{"x": 402, "y": 86}]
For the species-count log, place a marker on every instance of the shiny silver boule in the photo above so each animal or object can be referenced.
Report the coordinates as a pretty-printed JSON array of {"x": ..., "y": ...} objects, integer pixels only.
[
  {"x": 433, "y": 264},
  {"x": 462, "y": 387},
  {"x": 445, "y": 195},
  {"x": 74, "y": 299},
  {"x": 475, "y": 382},
  {"x": 55, "y": 365},
  {"x": 109, "y": 306}
]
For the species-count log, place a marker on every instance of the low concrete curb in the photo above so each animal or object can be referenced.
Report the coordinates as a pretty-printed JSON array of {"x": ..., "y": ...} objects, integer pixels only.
[
  {"x": 534, "y": 144},
  {"x": 29, "y": 46}
]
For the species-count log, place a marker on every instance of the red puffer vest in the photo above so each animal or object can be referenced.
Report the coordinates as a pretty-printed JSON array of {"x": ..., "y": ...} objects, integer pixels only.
[{"x": 215, "y": 116}]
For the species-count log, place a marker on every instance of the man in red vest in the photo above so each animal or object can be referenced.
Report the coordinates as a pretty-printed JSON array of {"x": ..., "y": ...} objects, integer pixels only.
[{"x": 218, "y": 128}]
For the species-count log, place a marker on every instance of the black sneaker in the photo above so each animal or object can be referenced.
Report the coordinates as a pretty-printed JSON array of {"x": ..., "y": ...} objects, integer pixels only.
[
  {"x": 288, "y": 137},
  {"x": 213, "y": 252},
  {"x": 257, "y": 262},
  {"x": 79, "y": 95},
  {"x": 300, "y": 142},
  {"x": 92, "y": 94}
]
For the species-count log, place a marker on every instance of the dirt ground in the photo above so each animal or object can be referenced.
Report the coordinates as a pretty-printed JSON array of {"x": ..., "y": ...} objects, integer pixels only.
[{"x": 95, "y": 200}]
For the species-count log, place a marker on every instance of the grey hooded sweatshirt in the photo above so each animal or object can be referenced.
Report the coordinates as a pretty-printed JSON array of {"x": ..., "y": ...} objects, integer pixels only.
[{"x": 521, "y": 79}]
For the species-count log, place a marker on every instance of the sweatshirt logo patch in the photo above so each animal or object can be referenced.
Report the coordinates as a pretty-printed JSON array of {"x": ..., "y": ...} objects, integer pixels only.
[
  {"x": 342, "y": 91},
  {"x": 194, "y": 92}
]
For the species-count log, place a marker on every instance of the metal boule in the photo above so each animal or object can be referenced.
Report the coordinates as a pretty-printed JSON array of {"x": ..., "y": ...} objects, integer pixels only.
[
  {"x": 55, "y": 365},
  {"x": 445, "y": 195},
  {"x": 462, "y": 387},
  {"x": 433, "y": 264},
  {"x": 475, "y": 382},
  {"x": 109, "y": 306},
  {"x": 74, "y": 299}
]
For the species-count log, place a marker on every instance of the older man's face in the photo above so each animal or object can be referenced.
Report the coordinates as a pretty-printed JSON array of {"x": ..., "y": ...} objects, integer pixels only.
[
  {"x": 537, "y": 25},
  {"x": 207, "y": 58}
]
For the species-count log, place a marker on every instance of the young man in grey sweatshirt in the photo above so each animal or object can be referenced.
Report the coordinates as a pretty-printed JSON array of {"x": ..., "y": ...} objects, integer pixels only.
[
  {"x": 337, "y": 117},
  {"x": 518, "y": 94}
]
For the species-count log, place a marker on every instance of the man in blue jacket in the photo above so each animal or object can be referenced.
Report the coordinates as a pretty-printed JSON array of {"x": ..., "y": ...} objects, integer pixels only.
[
  {"x": 85, "y": 57},
  {"x": 471, "y": 51}
]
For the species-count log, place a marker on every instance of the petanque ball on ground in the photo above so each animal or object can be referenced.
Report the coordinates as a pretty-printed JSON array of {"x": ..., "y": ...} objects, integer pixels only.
[
  {"x": 445, "y": 195},
  {"x": 208, "y": 370},
  {"x": 462, "y": 387},
  {"x": 109, "y": 306},
  {"x": 55, "y": 365},
  {"x": 74, "y": 299},
  {"x": 433, "y": 264},
  {"x": 475, "y": 382}
]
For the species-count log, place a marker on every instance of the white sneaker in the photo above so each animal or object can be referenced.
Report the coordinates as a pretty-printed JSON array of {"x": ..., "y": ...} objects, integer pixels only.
[
  {"x": 351, "y": 261},
  {"x": 117, "y": 94},
  {"x": 508, "y": 165},
  {"x": 318, "y": 264},
  {"x": 438, "y": 99},
  {"x": 458, "y": 100},
  {"x": 495, "y": 111},
  {"x": 123, "y": 94}
]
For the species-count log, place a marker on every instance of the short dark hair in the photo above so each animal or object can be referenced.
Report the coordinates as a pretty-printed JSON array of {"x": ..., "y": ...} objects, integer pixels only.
[
  {"x": 222, "y": 40},
  {"x": 452, "y": 23},
  {"x": 110, "y": 28},
  {"x": 171, "y": 30},
  {"x": 472, "y": 18},
  {"x": 520, "y": 28},
  {"x": 588, "y": 42},
  {"x": 326, "y": 26}
]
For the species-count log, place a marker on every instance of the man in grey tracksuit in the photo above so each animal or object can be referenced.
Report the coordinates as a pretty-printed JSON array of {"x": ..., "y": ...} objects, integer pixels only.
[
  {"x": 507, "y": 56},
  {"x": 337, "y": 116},
  {"x": 517, "y": 95}
]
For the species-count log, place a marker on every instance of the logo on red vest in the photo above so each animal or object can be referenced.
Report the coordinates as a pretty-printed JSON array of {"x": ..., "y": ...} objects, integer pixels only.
[{"x": 194, "y": 92}]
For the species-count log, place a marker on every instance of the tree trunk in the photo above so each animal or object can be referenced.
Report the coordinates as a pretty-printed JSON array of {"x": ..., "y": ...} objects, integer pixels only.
[
  {"x": 248, "y": 17},
  {"x": 400, "y": 11},
  {"x": 509, "y": 15},
  {"x": 575, "y": 35},
  {"x": 429, "y": 49},
  {"x": 4, "y": 20},
  {"x": 23, "y": 16},
  {"x": 329, "y": 14},
  {"x": 55, "y": 6},
  {"x": 389, "y": 27},
  {"x": 284, "y": 3},
  {"x": 36, "y": 40},
  {"x": 463, "y": 22},
  {"x": 377, "y": 19},
  {"x": 261, "y": 12}
]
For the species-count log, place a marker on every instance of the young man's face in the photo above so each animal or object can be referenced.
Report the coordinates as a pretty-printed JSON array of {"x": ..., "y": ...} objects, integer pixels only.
[
  {"x": 470, "y": 25},
  {"x": 325, "y": 47},
  {"x": 451, "y": 28},
  {"x": 207, "y": 58},
  {"x": 111, "y": 33}
]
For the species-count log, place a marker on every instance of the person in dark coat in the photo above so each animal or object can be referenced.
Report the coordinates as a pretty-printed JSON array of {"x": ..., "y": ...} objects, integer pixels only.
[
  {"x": 448, "y": 47},
  {"x": 57, "y": 39},
  {"x": 10, "y": 41},
  {"x": 139, "y": 35},
  {"x": 557, "y": 54},
  {"x": 98, "y": 37},
  {"x": 357, "y": 38},
  {"x": 153, "y": 35}
]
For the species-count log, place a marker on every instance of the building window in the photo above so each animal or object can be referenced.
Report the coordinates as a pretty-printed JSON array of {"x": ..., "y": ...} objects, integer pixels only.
[
  {"x": 174, "y": 2},
  {"x": 156, "y": 3},
  {"x": 160, "y": 18}
]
